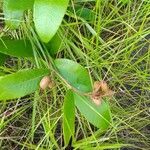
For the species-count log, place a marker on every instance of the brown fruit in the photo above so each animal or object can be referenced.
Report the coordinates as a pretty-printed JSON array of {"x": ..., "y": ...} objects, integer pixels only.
[
  {"x": 100, "y": 89},
  {"x": 45, "y": 82}
]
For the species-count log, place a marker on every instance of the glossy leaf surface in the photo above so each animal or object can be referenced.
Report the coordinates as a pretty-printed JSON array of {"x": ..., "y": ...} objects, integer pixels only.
[
  {"x": 17, "y": 48},
  {"x": 21, "y": 83},
  {"x": 48, "y": 15},
  {"x": 14, "y": 10},
  {"x": 99, "y": 116},
  {"x": 20, "y": 4},
  {"x": 75, "y": 74}
]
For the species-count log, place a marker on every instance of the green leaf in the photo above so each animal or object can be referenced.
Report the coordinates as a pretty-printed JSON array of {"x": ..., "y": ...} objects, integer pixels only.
[
  {"x": 13, "y": 18},
  {"x": 85, "y": 13},
  {"x": 68, "y": 117},
  {"x": 99, "y": 116},
  {"x": 17, "y": 48},
  {"x": 54, "y": 45},
  {"x": 48, "y": 15},
  {"x": 2, "y": 73},
  {"x": 20, "y": 4},
  {"x": 13, "y": 11},
  {"x": 75, "y": 74},
  {"x": 22, "y": 83},
  {"x": 2, "y": 59}
]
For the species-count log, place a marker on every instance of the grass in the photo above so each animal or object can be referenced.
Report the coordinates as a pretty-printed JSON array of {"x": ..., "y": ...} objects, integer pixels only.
[{"x": 114, "y": 46}]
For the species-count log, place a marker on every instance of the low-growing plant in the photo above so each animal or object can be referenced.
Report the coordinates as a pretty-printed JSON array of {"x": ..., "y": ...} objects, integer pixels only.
[
  {"x": 61, "y": 61},
  {"x": 47, "y": 18}
]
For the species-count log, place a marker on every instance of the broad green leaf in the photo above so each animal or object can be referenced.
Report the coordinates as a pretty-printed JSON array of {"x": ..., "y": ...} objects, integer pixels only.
[
  {"x": 68, "y": 117},
  {"x": 17, "y": 48},
  {"x": 48, "y": 15},
  {"x": 20, "y": 4},
  {"x": 75, "y": 74},
  {"x": 54, "y": 44},
  {"x": 2, "y": 59},
  {"x": 13, "y": 17},
  {"x": 82, "y": 12},
  {"x": 13, "y": 11},
  {"x": 2, "y": 73},
  {"x": 99, "y": 116},
  {"x": 22, "y": 83},
  {"x": 85, "y": 13}
]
